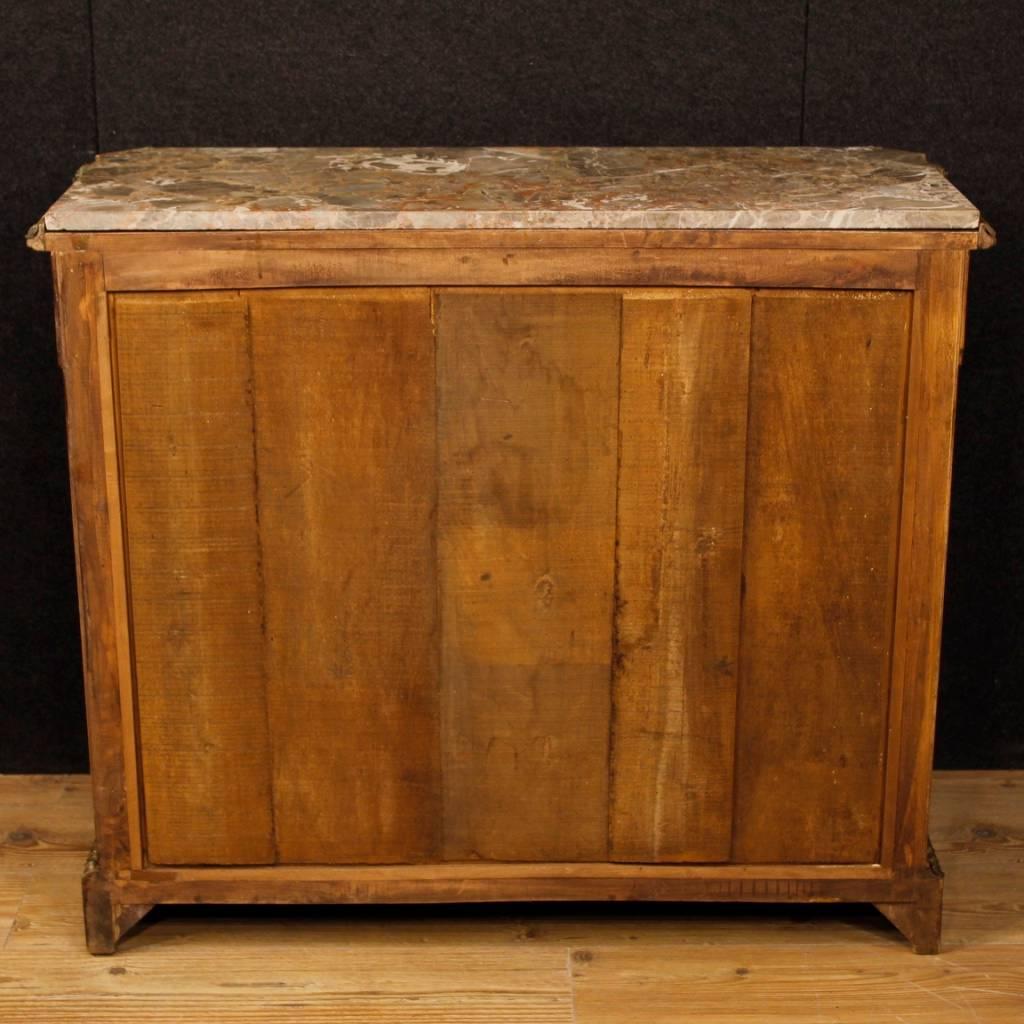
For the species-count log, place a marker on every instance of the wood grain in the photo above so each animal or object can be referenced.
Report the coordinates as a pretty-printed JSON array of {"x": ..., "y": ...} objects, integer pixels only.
[
  {"x": 772, "y": 268},
  {"x": 750, "y": 875},
  {"x": 107, "y": 917},
  {"x": 920, "y": 922},
  {"x": 344, "y": 406},
  {"x": 977, "y": 825},
  {"x": 45, "y": 812},
  {"x": 824, "y": 463},
  {"x": 421, "y": 887},
  {"x": 682, "y": 463},
  {"x": 112, "y": 457},
  {"x": 82, "y": 337},
  {"x": 858, "y": 985},
  {"x": 514, "y": 238},
  {"x": 313, "y": 982},
  {"x": 936, "y": 346},
  {"x": 189, "y": 478},
  {"x": 527, "y": 430}
]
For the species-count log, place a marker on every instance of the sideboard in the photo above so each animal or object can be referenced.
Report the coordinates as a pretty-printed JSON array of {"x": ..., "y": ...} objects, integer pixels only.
[{"x": 510, "y": 524}]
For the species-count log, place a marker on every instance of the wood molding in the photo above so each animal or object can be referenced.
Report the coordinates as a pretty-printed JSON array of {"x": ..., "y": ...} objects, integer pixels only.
[
  {"x": 418, "y": 884},
  {"x": 486, "y": 238}
]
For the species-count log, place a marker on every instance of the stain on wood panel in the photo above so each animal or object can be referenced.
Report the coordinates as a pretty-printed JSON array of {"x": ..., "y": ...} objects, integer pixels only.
[
  {"x": 528, "y": 387},
  {"x": 828, "y": 380},
  {"x": 345, "y": 425},
  {"x": 681, "y": 478},
  {"x": 192, "y": 537}
]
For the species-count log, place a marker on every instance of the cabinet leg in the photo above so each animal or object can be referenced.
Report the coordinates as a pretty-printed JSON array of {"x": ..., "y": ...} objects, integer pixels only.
[
  {"x": 106, "y": 919},
  {"x": 920, "y": 921}
]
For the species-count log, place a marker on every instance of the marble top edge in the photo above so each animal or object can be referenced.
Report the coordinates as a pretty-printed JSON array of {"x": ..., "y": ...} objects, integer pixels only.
[{"x": 268, "y": 189}]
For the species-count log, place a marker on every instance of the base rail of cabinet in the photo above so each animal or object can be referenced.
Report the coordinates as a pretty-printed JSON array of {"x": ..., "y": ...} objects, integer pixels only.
[{"x": 912, "y": 902}]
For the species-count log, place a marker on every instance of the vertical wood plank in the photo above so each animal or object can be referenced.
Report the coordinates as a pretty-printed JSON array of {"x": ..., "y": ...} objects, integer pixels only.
[
  {"x": 82, "y": 330},
  {"x": 189, "y": 484},
  {"x": 345, "y": 422},
  {"x": 528, "y": 448},
  {"x": 828, "y": 379},
  {"x": 119, "y": 569},
  {"x": 937, "y": 341},
  {"x": 683, "y": 423}
]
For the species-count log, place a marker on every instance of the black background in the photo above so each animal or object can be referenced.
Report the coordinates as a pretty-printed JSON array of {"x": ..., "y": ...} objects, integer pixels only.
[{"x": 939, "y": 76}]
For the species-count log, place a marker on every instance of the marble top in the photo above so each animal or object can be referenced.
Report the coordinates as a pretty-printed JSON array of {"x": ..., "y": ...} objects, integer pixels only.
[{"x": 659, "y": 187}]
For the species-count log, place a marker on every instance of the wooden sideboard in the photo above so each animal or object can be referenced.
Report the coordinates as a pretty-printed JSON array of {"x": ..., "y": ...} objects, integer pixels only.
[{"x": 511, "y": 524}]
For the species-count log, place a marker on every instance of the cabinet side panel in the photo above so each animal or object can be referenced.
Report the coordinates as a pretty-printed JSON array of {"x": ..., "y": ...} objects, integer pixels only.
[
  {"x": 82, "y": 335},
  {"x": 528, "y": 386},
  {"x": 345, "y": 425},
  {"x": 189, "y": 487},
  {"x": 827, "y": 393},
  {"x": 683, "y": 423},
  {"x": 938, "y": 337}
]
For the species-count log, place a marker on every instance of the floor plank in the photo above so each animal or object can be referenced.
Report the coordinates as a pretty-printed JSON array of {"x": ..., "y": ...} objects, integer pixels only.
[
  {"x": 295, "y": 980},
  {"x": 978, "y": 830},
  {"x": 13, "y": 881},
  {"x": 587, "y": 964},
  {"x": 49, "y": 913},
  {"x": 45, "y": 812},
  {"x": 799, "y": 985}
]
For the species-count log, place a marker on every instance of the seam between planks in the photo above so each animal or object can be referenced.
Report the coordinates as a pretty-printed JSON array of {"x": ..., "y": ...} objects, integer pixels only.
[
  {"x": 615, "y": 666},
  {"x": 260, "y": 576},
  {"x": 737, "y": 689}
]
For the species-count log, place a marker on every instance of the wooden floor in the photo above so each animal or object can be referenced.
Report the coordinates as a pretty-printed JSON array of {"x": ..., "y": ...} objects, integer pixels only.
[{"x": 607, "y": 964}]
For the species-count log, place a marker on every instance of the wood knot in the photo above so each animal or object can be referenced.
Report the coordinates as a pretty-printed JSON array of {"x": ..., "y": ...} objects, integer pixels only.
[
  {"x": 545, "y": 590},
  {"x": 582, "y": 956},
  {"x": 706, "y": 541}
]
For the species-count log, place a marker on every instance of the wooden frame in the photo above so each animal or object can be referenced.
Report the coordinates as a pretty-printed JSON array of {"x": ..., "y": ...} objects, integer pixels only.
[
  {"x": 520, "y": 238},
  {"x": 118, "y": 886}
]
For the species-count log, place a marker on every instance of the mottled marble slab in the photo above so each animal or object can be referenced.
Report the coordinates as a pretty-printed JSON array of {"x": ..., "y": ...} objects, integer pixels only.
[{"x": 661, "y": 187}]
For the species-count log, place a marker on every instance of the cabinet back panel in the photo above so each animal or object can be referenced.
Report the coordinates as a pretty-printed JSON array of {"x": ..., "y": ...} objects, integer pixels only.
[
  {"x": 189, "y": 478},
  {"x": 408, "y": 584},
  {"x": 527, "y": 429},
  {"x": 680, "y": 524},
  {"x": 824, "y": 459}
]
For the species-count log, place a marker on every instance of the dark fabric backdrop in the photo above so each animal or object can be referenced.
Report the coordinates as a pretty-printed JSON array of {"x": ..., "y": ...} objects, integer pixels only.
[{"x": 79, "y": 76}]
